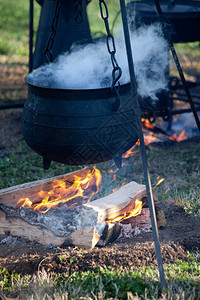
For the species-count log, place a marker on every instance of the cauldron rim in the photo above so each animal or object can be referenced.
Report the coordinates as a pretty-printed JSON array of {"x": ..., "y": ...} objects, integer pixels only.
[
  {"x": 53, "y": 89},
  {"x": 170, "y": 13}
]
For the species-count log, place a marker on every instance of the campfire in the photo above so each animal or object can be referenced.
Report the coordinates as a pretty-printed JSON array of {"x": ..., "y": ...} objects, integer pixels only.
[
  {"x": 83, "y": 187},
  {"x": 59, "y": 210},
  {"x": 64, "y": 191},
  {"x": 69, "y": 193},
  {"x": 62, "y": 210}
]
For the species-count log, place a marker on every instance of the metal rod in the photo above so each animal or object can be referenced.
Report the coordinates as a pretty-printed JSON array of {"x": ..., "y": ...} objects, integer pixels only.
[
  {"x": 11, "y": 105},
  {"x": 183, "y": 94},
  {"x": 179, "y": 98},
  {"x": 183, "y": 111},
  {"x": 178, "y": 66},
  {"x": 142, "y": 145},
  {"x": 30, "y": 36}
]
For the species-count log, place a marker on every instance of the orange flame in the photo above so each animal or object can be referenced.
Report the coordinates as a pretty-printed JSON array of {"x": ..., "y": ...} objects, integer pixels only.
[
  {"x": 152, "y": 137},
  {"x": 159, "y": 181},
  {"x": 148, "y": 139},
  {"x": 130, "y": 152},
  {"x": 136, "y": 211},
  {"x": 122, "y": 183},
  {"x": 146, "y": 123},
  {"x": 178, "y": 137},
  {"x": 84, "y": 187},
  {"x": 167, "y": 190}
]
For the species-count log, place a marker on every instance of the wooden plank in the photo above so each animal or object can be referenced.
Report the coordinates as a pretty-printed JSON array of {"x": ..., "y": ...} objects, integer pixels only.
[
  {"x": 11, "y": 195},
  {"x": 121, "y": 201}
]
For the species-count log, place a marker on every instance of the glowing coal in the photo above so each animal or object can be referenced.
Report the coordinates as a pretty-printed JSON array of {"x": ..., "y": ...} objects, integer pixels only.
[{"x": 89, "y": 67}]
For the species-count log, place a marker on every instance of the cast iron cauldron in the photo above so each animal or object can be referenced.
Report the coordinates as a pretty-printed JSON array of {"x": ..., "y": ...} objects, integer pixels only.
[
  {"x": 183, "y": 17},
  {"x": 77, "y": 127}
]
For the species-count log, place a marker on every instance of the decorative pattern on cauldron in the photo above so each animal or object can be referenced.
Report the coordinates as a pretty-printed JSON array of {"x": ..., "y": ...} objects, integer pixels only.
[
  {"x": 77, "y": 127},
  {"x": 182, "y": 16}
]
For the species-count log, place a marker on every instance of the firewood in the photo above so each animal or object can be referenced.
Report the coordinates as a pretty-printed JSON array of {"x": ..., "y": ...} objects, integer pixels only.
[
  {"x": 81, "y": 226},
  {"x": 21, "y": 228},
  {"x": 57, "y": 227},
  {"x": 11, "y": 195},
  {"x": 119, "y": 202}
]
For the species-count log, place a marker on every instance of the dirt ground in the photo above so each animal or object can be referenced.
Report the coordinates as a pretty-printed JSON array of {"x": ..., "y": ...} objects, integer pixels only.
[{"x": 181, "y": 234}]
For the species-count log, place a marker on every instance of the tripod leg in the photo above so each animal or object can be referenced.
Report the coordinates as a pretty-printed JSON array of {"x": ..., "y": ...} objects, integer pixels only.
[{"x": 142, "y": 145}]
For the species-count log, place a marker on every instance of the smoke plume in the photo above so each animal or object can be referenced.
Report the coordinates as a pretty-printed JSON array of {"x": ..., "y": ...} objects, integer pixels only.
[{"x": 89, "y": 67}]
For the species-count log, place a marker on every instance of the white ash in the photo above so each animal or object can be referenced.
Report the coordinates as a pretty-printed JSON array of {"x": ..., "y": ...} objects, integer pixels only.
[
  {"x": 90, "y": 67},
  {"x": 60, "y": 220}
]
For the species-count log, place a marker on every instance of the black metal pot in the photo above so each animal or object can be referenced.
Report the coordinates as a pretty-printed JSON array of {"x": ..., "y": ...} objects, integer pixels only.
[
  {"x": 72, "y": 27},
  {"x": 77, "y": 127},
  {"x": 182, "y": 17}
]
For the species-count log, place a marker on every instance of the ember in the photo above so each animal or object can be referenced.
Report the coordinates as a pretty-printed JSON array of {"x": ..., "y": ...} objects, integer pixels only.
[{"x": 159, "y": 181}]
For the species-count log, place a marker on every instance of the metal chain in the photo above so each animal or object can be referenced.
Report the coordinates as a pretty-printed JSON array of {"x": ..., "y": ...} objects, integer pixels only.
[
  {"x": 48, "y": 50},
  {"x": 117, "y": 71},
  {"x": 79, "y": 11}
]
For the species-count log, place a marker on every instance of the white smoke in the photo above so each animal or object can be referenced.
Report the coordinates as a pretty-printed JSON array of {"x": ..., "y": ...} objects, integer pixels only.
[{"x": 89, "y": 67}]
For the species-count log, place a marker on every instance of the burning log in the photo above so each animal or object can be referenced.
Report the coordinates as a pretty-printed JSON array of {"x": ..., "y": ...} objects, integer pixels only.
[
  {"x": 31, "y": 190},
  {"x": 83, "y": 225}
]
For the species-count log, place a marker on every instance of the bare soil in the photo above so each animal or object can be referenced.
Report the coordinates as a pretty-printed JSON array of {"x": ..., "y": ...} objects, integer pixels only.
[{"x": 179, "y": 236}]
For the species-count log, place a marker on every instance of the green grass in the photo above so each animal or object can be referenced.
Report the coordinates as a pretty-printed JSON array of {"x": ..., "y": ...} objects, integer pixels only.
[
  {"x": 182, "y": 282},
  {"x": 14, "y": 23},
  {"x": 25, "y": 165},
  {"x": 96, "y": 23},
  {"x": 189, "y": 201},
  {"x": 14, "y": 26},
  {"x": 189, "y": 49}
]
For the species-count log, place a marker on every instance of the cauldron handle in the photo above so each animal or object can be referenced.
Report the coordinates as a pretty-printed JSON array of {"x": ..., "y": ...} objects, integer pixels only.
[{"x": 116, "y": 104}]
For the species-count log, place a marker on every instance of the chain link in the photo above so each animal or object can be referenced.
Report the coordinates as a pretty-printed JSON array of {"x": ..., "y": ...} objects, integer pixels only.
[
  {"x": 79, "y": 11},
  {"x": 48, "y": 50},
  {"x": 117, "y": 71}
]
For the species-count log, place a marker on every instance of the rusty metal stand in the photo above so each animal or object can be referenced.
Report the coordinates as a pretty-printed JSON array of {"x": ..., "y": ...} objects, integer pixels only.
[{"x": 142, "y": 145}]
